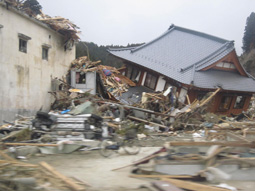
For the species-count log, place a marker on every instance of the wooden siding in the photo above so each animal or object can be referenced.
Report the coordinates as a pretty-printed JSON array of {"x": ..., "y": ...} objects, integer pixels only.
[{"x": 214, "y": 106}]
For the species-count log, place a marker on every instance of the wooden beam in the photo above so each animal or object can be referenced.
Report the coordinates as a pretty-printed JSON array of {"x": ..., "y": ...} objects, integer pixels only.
[
  {"x": 210, "y": 97},
  {"x": 158, "y": 176},
  {"x": 153, "y": 155},
  {"x": 7, "y": 157},
  {"x": 65, "y": 179},
  {"x": 18, "y": 163},
  {"x": 237, "y": 137},
  {"x": 30, "y": 144},
  {"x": 145, "y": 121},
  {"x": 206, "y": 143},
  {"x": 188, "y": 100},
  {"x": 193, "y": 186}
]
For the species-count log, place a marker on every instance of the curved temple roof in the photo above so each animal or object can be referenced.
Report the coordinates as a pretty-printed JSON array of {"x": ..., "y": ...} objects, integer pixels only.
[{"x": 181, "y": 53}]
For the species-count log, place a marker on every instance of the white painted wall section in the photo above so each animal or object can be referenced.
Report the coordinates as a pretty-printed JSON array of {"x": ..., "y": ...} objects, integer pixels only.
[
  {"x": 161, "y": 84},
  {"x": 25, "y": 78},
  {"x": 144, "y": 76},
  {"x": 182, "y": 96}
]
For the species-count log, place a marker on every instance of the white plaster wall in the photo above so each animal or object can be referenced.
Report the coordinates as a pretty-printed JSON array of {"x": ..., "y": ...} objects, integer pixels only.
[
  {"x": 161, "y": 84},
  {"x": 182, "y": 96},
  {"x": 90, "y": 82},
  {"x": 144, "y": 76},
  {"x": 25, "y": 78}
]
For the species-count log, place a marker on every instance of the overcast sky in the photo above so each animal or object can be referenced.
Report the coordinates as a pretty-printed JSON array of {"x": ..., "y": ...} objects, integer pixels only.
[{"x": 120, "y": 22}]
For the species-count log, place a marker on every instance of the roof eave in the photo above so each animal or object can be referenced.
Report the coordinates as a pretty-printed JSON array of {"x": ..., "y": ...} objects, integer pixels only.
[{"x": 30, "y": 18}]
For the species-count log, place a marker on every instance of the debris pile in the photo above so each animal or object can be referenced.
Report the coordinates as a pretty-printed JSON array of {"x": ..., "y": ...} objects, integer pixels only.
[
  {"x": 216, "y": 149},
  {"x": 114, "y": 83},
  {"x": 16, "y": 175},
  {"x": 210, "y": 162},
  {"x": 63, "y": 26},
  {"x": 83, "y": 64},
  {"x": 59, "y": 24}
]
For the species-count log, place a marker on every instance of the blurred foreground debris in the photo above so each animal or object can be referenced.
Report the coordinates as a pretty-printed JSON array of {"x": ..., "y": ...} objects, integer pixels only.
[
  {"x": 21, "y": 176},
  {"x": 203, "y": 146}
]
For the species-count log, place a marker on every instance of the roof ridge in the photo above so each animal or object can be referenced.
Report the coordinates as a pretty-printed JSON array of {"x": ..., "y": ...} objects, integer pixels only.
[
  {"x": 213, "y": 54},
  {"x": 172, "y": 27},
  {"x": 120, "y": 49},
  {"x": 199, "y": 33},
  {"x": 148, "y": 43}
]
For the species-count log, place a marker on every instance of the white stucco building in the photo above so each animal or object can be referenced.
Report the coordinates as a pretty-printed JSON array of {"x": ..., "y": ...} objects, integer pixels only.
[{"x": 30, "y": 53}]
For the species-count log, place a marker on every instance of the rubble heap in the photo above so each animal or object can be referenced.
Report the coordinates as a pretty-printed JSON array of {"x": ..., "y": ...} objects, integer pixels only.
[
  {"x": 16, "y": 175},
  {"x": 59, "y": 24}
]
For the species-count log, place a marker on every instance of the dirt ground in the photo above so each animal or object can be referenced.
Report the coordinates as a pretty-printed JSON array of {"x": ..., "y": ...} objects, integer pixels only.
[{"x": 91, "y": 167}]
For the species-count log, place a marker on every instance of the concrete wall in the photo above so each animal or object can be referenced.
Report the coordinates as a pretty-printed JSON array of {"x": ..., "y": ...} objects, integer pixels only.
[{"x": 25, "y": 78}]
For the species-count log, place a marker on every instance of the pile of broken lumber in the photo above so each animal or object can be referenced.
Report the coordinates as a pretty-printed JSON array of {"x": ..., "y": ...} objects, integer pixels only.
[
  {"x": 59, "y": 24},
  {"x": 16, "y": 175}
]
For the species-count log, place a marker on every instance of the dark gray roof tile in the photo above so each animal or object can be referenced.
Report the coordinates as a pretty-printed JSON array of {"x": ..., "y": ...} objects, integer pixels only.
[{"x": 179, "y": 53}]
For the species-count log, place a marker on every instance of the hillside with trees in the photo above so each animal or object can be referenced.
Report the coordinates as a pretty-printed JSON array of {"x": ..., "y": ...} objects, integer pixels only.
[
  {"x": 248, "y": 56},
  {"x": 95, "y": 52}
]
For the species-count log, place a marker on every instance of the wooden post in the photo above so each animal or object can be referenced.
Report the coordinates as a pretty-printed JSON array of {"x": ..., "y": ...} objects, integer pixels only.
[{"x": 65, "y": 179}]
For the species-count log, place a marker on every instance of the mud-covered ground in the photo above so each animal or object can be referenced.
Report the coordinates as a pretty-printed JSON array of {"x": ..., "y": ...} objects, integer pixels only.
[{"x": 92, "y": 168}]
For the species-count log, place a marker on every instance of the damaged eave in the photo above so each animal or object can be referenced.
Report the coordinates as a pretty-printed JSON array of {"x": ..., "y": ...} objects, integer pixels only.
[{"x": 10, "y": 8}]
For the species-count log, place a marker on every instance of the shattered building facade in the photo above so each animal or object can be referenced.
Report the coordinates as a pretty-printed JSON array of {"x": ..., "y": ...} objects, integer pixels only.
[
  {"x": 30, "y": 53},
  {"x": 194, "y": 63}
]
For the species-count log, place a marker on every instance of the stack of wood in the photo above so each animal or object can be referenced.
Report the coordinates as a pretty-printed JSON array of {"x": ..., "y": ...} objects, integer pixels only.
[
  {"x": 156, "y": 102},
  {"x": 115, "y": 83},
  {"x": 193, "y": 111},
  {"x": 84, "y": 64}
]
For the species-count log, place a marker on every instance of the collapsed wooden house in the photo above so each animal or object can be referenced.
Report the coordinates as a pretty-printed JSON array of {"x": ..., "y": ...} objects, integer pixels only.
[
  {"x": 194, "y": 63},
  {"x": 105, "y": 81}
]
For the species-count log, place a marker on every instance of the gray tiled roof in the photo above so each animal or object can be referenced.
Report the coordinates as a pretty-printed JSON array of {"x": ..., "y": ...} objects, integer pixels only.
[
  {"x": 178, "y": 53},
  {"x": 226, "y": 80}
]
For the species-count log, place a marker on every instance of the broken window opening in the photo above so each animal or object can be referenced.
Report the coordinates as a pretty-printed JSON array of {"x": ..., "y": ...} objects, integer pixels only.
[
  {"x": 22, "y": 45},
  {"x": 150, "y": 81},
  {"x": 167, "y": 85},
  {"x": 225, "y": 103},
  {"x": 80, "y": 78},
  {"x": 45, "y": 52},
  {"x": 240, "y": 100},
  {"x": 201, "y": 95}
]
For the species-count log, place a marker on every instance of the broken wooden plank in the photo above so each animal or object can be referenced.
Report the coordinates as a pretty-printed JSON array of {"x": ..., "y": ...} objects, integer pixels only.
[
  {"x": 153, "y": 155},
  {"x": 145, "y": 121},
  {"x": 209, "y": 98},
  {"x": 65, "y": 179},
  {"x": 18, "y": 163},
  {"x": 7, "y": 157},
  {"x": 193, "y": 186},
  {"x": 158, "y": 176},
  {"x": 31, "y": 144},
  {"x": 188, "y": 100},
  {"x": 81, "y": 181},
  {"x": 115, "y": 126},
  {"x": 237, "y": 137},
  {"x": 206, "y": 143}
]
